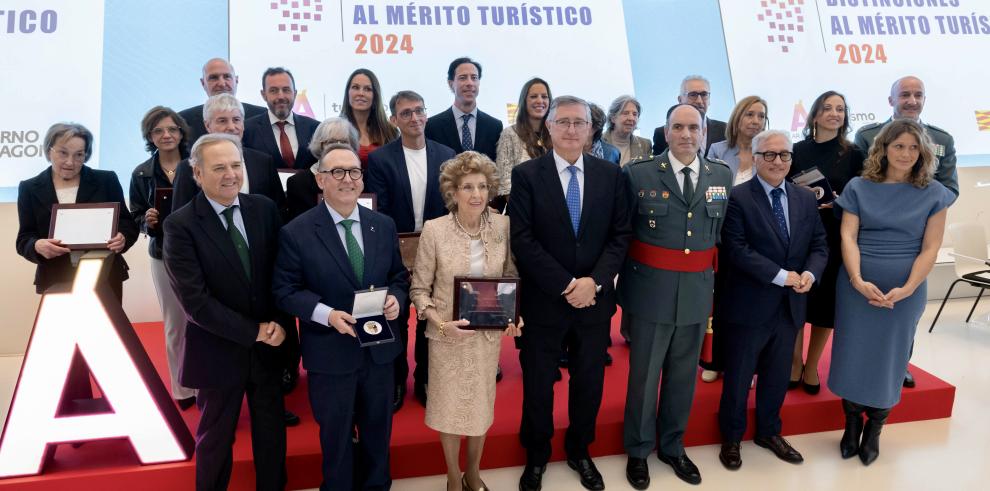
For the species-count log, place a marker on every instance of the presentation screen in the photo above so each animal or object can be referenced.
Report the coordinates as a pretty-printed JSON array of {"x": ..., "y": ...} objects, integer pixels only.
[{"x": 104, "y": 63}]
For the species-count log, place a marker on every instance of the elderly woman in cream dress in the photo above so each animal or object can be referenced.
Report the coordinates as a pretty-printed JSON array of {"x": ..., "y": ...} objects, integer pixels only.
[{"x": 470, "y": 241}]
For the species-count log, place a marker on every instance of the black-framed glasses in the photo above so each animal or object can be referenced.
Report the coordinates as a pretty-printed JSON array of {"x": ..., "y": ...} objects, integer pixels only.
[
  {"x": 339, "y": 174},
  {"x": 419, "y": 112},
  {"x": 695, "y": 95},
  {"x": 785, "y": 156}
]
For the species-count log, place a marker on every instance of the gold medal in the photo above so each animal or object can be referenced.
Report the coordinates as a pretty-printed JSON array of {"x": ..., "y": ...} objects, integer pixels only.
[{"x": 372, "y": 327}]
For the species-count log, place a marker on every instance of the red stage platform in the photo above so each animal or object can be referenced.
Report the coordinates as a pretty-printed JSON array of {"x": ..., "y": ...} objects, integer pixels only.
[{"x": 416, "y": 449}]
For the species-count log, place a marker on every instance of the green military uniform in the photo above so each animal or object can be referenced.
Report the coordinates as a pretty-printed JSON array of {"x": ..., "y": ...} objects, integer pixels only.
[
  {"x": 667, "y": 310},
  {"x": 945, "y": 151}
]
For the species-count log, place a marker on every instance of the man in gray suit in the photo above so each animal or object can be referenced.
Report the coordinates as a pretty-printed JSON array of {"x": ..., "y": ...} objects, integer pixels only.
[
  {"x": 665, "y": 289},
  {"x": 907, "y": 97}
]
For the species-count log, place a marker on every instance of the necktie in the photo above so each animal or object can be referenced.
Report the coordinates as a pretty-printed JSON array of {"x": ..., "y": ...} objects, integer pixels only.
[
  {"x": 688, "y": 188},
  {"x": 574, "y": 199},
  {"x": 284, "y": 145},
  {"x": 354, "y": 254},
  {"x": 240, "y": 245},
  {"x": 778, "y": 212},
  {"x": 466, "y": 142}
]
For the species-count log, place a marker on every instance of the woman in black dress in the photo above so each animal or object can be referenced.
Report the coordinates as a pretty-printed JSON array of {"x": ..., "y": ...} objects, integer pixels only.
[{"x": 826, "y": 148}]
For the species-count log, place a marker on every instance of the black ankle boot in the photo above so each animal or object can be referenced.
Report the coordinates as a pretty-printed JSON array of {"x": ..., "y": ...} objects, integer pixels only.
[
  {"x": 849, "y": 445},
  {"x": 869, "y": 449}
]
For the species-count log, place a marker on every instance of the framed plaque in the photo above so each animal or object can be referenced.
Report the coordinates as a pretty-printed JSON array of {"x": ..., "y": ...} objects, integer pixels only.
[
  {"x": 369, "y": 311},
  {"x": 816, "y": 181},
  {"x": 163, "y": 202},
  {"x": 84, "y": 225},
  {"x": 487, "y": 303},
  {"x": 408, "y": 245}
]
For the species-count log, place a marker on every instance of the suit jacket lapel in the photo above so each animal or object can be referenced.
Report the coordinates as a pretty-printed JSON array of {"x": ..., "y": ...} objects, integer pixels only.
[
  {"x": 370, "y": 235},
  {"x": 215, "y": 231},
  {"x": 264, "y": 128},
  {"x": 433, "y": 164},
  {"x": 87, "y": 186},
  {"x": 591, "y": 188},
  {"x": 303, "y": 136},
  {"x": 792, "y": 207},
  {"x": 45, "y": 191},
  {"x": 326, "y": 230},
  {"x": 402, "y": 172},
  {"x": 555, "y": 194},
  {"x": 450, "y": 128},
  {"x": 252, "y": 226},
  {"x": 766, "y": 210}
]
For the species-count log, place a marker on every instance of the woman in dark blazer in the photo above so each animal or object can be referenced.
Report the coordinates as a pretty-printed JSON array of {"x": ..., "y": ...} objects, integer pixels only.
[{"x": 68, "y": 146}]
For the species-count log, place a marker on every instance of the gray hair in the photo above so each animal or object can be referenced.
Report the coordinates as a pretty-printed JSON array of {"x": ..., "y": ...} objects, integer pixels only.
[
  {"x": 766, "y": 135},
  {"x": 64, "y": 131},
  {"x": 211, "y": 60},
  {"x": 210, "y": 139},
  {"x": 692, "y": 78},
  {"x": 568, "y": 100},
  {"x": 333, "y": 131},
  {"x": 221, "y": 102},
  {"x": 617, "y": 106}
]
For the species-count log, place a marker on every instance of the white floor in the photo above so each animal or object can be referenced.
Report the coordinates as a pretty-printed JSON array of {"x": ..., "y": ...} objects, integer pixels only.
[{"x": 948, "y": 454}]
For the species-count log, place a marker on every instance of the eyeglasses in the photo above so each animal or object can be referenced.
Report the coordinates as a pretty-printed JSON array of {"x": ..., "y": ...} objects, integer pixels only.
[
  {"x": 172, "y": 130},
  {"x": 327, "y": 143},
  {"x": 419, "y": 112},
  {"x": 696, "y": 95},
  {"x": 565, "y": 123},
  {"x": 470, "y": 188},
  {"x": 339, "y": 174},
  {"x": 61, "y": 154},
  {"x": 785, "y": 156}
]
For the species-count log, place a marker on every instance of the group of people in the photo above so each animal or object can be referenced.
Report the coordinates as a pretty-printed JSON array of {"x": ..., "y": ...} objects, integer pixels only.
[{"x": 701, "y": 222}]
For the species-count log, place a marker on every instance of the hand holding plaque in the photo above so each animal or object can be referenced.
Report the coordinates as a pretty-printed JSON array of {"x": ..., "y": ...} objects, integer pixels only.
[
  {"x": 86, "y": 226},
  {"x": 486, "y": 303}
]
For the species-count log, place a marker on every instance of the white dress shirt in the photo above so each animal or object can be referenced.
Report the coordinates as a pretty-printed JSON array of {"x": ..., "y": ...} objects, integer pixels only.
[
  {"x": 678, "y": 168},
  {"x": 416, "y": 169},
  {"x": 321, "y": 313},
  {"x": 290, "y": 131},
  {"x": 238, "y": 219}
]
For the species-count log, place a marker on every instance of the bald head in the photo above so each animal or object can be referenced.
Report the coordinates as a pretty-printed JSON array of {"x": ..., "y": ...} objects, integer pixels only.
[
  {"x": 219, "y": 78},
  {"x": 907, "y": 97}
]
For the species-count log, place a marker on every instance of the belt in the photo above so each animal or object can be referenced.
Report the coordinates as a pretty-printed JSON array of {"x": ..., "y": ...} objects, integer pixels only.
[{"x": 681, "y": 260}]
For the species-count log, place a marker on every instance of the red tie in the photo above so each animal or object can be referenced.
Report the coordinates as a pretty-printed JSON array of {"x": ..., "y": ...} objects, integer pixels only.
[{"x": 285, "y": 145}]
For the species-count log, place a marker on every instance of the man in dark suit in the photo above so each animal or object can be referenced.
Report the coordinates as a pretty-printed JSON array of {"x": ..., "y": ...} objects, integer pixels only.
[
  {"x": 570, "y": 230},
  {"x": 463, "y": 126},
  {"x": 405, "y": 177},
  {"x": 696, "y": 91},
  {"x": 325, "y": 255},
  {"x": 775, "y": 245},
  {"x": 219, "y": 253},
  {"x": 218, "y": 78},
  {"x": 278, "y": 132}
]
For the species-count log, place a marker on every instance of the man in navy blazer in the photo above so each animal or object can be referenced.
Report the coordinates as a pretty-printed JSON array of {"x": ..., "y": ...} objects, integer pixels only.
[
  {"x": 570, "y": 227},
  {"x": 775, "y": 245},
  {"x": 219, "y": 77},
  {"x": 278, "y": 132},
  {"x": 219, "y": 253},
  {"x": 405, "y": 177},
  {"x": 463, "y": 126},
  {"x": 325, "y": 255}
]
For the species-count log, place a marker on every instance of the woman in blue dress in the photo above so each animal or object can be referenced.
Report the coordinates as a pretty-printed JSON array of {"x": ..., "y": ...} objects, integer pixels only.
[{"x": 893, "y": 217}]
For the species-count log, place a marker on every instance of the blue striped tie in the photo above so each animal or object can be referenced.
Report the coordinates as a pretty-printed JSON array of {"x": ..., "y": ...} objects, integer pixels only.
[
  {"x": 574, "y": 199},
  {"x": 466, "y": 142},
  {"x": 778, "y": 212}
]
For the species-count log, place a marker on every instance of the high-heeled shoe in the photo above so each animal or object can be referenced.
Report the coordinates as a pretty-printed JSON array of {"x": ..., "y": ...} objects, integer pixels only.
[
  {"x": 811, "y": 389},
  {"x": 466, "y": 487},
  {"x": 793, "y": 384}
]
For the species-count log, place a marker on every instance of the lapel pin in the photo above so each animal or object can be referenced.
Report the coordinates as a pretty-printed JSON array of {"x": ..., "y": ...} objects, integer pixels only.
[{"x": 372, "y": 228}]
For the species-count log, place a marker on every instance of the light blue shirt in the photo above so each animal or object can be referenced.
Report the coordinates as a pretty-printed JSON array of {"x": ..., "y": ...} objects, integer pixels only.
[
  {"x": 238, "y": 219},
  {"x": 321, "y": 313},
  {"x": 781, "y": 277},
  {"x": 472, "y": 124},
  {"x": 565, "y": 175}
]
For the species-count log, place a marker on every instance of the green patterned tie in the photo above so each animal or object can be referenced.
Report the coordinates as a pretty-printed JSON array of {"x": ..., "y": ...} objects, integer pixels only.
[
  {"x": 354, "y": 253},
  {"x": 239, "y": 243}
]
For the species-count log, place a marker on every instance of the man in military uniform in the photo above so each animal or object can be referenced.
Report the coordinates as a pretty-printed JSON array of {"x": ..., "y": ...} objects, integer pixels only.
[
  {"x": 907, "y": 97},
  {"x": 665, "y": 290}
]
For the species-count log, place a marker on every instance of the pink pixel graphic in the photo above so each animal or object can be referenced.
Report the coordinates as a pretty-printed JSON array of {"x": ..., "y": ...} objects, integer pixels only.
[
  {"x": 782, "y": 16},
  {"x": 295, "y": 17}
]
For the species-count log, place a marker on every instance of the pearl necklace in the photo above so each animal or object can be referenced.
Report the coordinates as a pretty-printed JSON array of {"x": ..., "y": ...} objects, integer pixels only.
[{"x": 476, "y": 235}]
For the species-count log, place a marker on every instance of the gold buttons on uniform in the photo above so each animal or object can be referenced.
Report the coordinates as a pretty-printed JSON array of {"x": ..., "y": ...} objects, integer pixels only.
[
  {"x": 690, "y": 214},
  {"x": 687, "y": 251},
  {"x": 689, "y": 233}
]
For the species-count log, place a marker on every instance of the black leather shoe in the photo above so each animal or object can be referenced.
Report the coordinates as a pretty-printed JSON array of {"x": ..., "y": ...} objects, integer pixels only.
[
  {"x": 783, "y": 450},
  {"x": 809, "y": 388},
  {"x": 532, "y": 478},
  {"x": 186, "y": 403},
  {"x": 638, "y": 473},
  {"x": 498, "y": 374},
  {"x": 558, "y": 376},
  {"x": 683, "y": 467},
  {"x": 869, "y": 448},
  {"x": 289, "y": 380},
  {"x": 419, "y": 392},
  {"x": 291, "y": 419},
  {"x": 730, "y": 456},
  {"x": 398, "y": 398},
  {"x": 908, "y": 380},
  {"x": 590, "y": 477},
  {"x": 849, "y": 445}
]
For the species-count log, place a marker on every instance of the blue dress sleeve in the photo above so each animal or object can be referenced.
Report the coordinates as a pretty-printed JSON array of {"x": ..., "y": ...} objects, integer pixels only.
[
  {"x": 944, "y": 197},
  {"x": 849, "y": 199}
]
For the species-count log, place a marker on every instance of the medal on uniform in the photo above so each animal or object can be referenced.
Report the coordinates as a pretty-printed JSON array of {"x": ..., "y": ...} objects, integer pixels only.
[
  {"x": 653, "y": 223},
  {"x": 641, "y": 193},
  {"x": 653, "y": 193},
  {"x": 708, "y": 195},
  {"x": 665, "y": 194}
]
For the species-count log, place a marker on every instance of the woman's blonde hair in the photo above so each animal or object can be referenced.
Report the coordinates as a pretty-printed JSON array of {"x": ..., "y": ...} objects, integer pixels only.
[
  {"x": 922, "y": 172},
  {"x": 461, "y": 166}
]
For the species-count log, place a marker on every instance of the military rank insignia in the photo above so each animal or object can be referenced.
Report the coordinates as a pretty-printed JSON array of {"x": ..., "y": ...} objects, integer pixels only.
[{"x": 716, "y": 193}]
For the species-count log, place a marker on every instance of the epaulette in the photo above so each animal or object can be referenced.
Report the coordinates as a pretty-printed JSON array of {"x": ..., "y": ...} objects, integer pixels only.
[
  {"x": 872, "y": 126},
  {"x": 936, "y": 128}
]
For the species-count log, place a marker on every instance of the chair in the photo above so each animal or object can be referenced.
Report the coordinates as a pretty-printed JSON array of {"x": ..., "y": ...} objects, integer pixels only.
[{"x": 970, "y": 250}]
